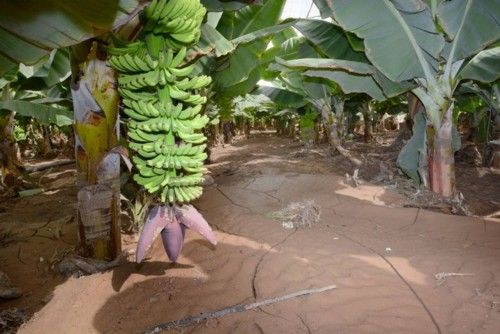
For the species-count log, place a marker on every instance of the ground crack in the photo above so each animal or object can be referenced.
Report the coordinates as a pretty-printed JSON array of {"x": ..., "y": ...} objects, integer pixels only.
[
  {"x": 436, "y": 325},
  {"x": 305, "y": 324},
  {"x": 257, "y": 266}
]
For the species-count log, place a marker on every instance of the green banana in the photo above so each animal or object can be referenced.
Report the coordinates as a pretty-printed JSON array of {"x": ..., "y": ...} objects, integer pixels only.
[{"x": 163, "y": 102}]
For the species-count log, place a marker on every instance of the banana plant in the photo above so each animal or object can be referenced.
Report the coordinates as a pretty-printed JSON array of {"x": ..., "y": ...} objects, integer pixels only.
[
  {"x": 321, "y": 93},
  {"x": 34, "y": 92},
  {"x": 235, "y": 65},
  {"x": 481, "y": 103},
  {"x": 30, "y": 30},
  {"x": 27, "y": 37},
  {"x": 431, "y": 45}
]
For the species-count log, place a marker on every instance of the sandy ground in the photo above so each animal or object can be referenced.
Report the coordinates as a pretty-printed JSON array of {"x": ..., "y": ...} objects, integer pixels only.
[{"x": 383, "y": 259}]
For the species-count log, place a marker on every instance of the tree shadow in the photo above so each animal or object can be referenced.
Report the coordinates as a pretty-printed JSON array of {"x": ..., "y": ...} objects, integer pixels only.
[
  {"x": 146, "y": 268},
  {"x": 157, "y": 300}
]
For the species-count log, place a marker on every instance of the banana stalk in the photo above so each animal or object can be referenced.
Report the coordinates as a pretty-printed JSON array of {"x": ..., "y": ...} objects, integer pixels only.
[
  {"x": 96, "y": 102},
  {"x": 163, "y": 104}
]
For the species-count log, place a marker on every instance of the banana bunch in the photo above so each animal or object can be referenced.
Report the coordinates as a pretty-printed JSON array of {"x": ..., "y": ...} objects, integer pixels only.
[
  {"x": 178, "y": 20},
  {"x": 163, "y": 101}
]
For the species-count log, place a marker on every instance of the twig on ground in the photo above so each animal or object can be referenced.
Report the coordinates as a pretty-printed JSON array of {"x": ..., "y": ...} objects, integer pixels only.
[
  {"x": 189, "y": 321},
  {"x": 355, "y": 161},
  {"x": 48, "y": 164},
  {"x": 441, "y": 277}
]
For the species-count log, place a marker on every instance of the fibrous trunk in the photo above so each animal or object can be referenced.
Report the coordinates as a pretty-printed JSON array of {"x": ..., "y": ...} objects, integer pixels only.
[
  {"x": 10, "y": 157},
  {"x": 440, "y": 153},
  {"x": 228, "y": 130},
  {"x": 95, "y": 102},
  {"x": 368, "y": 122},
  {"x": 331, "y": 124}
]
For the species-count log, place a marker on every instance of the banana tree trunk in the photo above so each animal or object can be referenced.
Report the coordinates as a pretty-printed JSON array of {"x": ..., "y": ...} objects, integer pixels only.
[
  {"x": 331, "y": 124},
  {"x": 317, "y": 132},
  {"x": 368, "y": 121},
  {"x": 440, "y": 155},
  {"x": 248, "y": 128},
  {"x": 228, "y": 130},
  {"x": 10, "y": 156},
  {"x": 330, "y": 121},
  {"x": 96, "y": 103}
]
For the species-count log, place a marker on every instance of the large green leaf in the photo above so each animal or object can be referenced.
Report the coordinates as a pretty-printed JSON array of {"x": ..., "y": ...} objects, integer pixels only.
[
  {"x": 329, "y": 40},
  {"x": 282, "y": 97},
  {"x": 212, "y": 41},
  {"x": 242, "y": 68},
  {"x": 250, "y": 19},
  {"x": 470, "y": 24},
  {"x": 287, "y": 50},
  {"x": 325, "y": 7},
  {"x": 350, "y": 83},
  {"x": 400, "y": 36},
  {"x": 265, "y": 32},
  {"x": 329, "y": 64},
  {"x": 56, "y": 69},
  {"x": 408, "y": 158},
  {"x": 30, "y": 29},
  {"x": 243, "y": 87},
  {"x": 44, "y": 114},
  {"x": 352, "y": 77},
  {"x": 484, "y": 67}
]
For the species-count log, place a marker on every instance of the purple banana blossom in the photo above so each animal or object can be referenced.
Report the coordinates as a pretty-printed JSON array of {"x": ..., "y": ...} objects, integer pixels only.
[
  {"x": 173, "y": 239},
  {"x": 155, "y": 223},
  {"x": 193, "y": 220},
  {"x": 172, "y": 223}
]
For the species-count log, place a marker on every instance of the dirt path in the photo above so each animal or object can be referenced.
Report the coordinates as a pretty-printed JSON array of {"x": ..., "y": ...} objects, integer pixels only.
[{"x": 383, "y": 259}]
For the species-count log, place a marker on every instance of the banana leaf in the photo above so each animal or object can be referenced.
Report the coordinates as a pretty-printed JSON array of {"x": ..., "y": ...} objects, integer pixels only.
[
  {"x": 31, "y": 29},
  {"x": 484, "y": 67},
  {"x": 400, "y": 37},
  {"x": 282, "y": 97},
  {"x": 471, "y": 25},
  {"x": 241, "y": 70},
  {"x": 211, "y": 41},
  {"x": 44, "y": 114}
]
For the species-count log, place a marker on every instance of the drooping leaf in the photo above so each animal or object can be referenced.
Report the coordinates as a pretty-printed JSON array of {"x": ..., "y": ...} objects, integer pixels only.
[
  {"x": 350, "y": 83},
  {"x": 282, "y": 97},
  {"x": 212, "y": 41},
  {"x": 30, "y": 29},
  {"x": 408, "y": 158},
  {"x": 325, "y": 7},
  {"x": 287, "y": 50},
  {"x": 330, "y": 40},
  {"x": 250, "y": 19},
  {"x": 268, "y": 31},
  {"x": 471, "y": 25},
  {"x": 45, "y": 114},
  {"x": 391, "y": 88},
  {"x": 484, "y": 67},
  {"x": 242, "y": 71},
  {"x": 58, "y": 70},
  {"x": 329, "y": 64},
  {"x": 400, "y": 36}
]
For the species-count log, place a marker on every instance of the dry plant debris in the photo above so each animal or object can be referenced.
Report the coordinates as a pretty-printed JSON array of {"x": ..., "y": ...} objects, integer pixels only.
[{"x": 298, "y": 214}]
